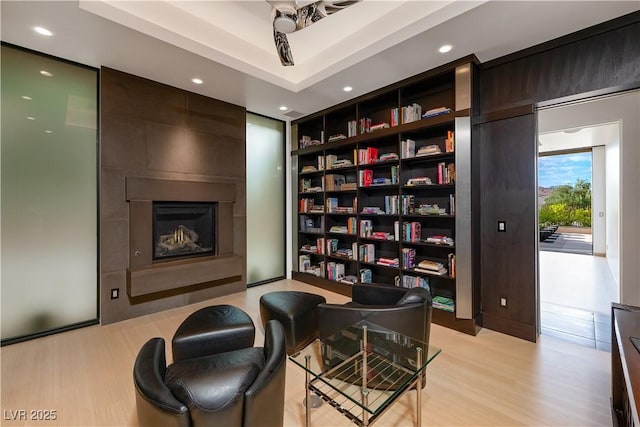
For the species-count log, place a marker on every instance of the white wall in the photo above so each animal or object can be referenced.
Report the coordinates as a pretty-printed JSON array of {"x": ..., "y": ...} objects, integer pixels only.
[
  {"x": 612, "y": 202},
  {"x": 598, "y": 199},
  {"x": 624, "y": 159}
]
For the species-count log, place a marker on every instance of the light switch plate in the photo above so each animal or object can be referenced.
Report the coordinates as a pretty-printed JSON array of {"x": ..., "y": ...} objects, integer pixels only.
[{"x": 502, "y": 226}]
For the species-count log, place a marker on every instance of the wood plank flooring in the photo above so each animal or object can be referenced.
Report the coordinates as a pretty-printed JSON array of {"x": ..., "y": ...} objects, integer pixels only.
[{"x": 488, "y": 380}]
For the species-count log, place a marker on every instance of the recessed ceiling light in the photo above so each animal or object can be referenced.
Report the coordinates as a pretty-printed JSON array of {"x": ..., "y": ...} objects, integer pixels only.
[
  {"x": 28, "y": 98},
  {"x": 30, "y": 118},
  {"x": 43, "y": 31},
  {"x": 48, "y": 131},
  {"x": 46, "y": 73},
  {"x": 283, "y": 108},
  {"x": 197, "y": 81},
  {"x": 445, "y": 48},
  {"x": 347, "y": 88}
]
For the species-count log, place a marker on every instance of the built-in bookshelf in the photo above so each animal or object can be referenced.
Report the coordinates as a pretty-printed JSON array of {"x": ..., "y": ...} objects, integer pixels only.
[{"x": 380, "y": 192}]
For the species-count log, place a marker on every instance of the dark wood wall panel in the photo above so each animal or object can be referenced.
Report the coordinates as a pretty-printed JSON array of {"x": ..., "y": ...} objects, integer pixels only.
[
  {"x": 151, "y": 130},
  {"x": 508, "y": 194},
  {"x": 602, "y": 59},
  {"x": 608, "y": 60}
]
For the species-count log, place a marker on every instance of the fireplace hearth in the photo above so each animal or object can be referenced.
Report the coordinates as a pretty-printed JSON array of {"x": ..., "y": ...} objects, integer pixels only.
[{"x": 183, "y": 229}]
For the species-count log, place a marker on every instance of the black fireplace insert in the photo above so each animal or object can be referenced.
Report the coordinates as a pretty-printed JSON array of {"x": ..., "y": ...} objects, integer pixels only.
[{"x": 183, "y": 229}]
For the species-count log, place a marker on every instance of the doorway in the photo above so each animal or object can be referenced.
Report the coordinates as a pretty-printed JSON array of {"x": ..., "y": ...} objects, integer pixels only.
[{"x": 579, "y": 264}]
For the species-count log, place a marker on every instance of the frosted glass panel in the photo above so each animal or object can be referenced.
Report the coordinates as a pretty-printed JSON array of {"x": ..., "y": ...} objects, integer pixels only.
[
  {"x": 265, "y": 199},
  {"x": 49, "y": 194}
]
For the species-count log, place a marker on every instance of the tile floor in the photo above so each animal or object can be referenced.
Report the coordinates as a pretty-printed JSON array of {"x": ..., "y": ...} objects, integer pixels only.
[{"x": 576, "y": 292}]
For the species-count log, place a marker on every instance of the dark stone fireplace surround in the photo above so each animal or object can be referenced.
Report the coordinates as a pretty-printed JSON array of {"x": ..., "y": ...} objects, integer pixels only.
[
  {"x": 183, "y": 147},
  {"x": 145, "y": 277}
]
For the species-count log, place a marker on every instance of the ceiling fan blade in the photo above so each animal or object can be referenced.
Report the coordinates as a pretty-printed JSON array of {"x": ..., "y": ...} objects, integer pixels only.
[
  {"x": 314, "y": 12},
  {"x": 282, "y": 46}
]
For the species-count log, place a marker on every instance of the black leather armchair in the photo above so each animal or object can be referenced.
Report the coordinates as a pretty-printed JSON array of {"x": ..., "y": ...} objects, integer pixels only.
[
  {"x": 407, "y": 311},
  {"x": 394, "y": 309},
  {"x": 243, "y": 387}
]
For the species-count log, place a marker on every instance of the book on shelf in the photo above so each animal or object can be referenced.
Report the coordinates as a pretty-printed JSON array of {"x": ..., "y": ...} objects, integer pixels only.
[
  {"x": 367, "y": 253},
  {"x": 396, "y": 230},
  {"x": 365, "y": 275},
  {"x": 388, "y": 262},
  {"x": 428, "y": 209},
  {"x": 443, "y": 303},
  {"x": 450, "y": 142},
  {"x": 372, "y": 210},
  {"x": 365, "y": 125},
  {"x": 408, "y": 204},
  {"x": 411, "y": 231},
  {"x": 431, "y": 267},
  {"x": 336, "y": 137},
  {"x": 349, "y": 186},
  {"x": 335, "y": 271},
  {"x": 367, "y": 155},
  {"x": 408, "y": 281},
  {"x": 332, "y": 246},
  {"x": 436, "y": 112},
  {"x": 419, "y": 180},
  {"x": 330, "y": 159},
  {"x": 408, "y": 258},
  {"x": 394, "y": 118},
  {"x": 304, "y": 262},
  {"x": 320, "y": 245},
  {"x": 380, "y": 235},
  {"x": 366, "y": 228},
  {"x": 428, "y": 150},
  {"x": 365, "y": 177},
  {"x": 411, "y": 113},
  {"x": 408, "y": 148},
  {"x": 309, "y": 168},
  {"x": 378, "y": 126},
  {"x": 341, "y": 163},
  {"x": 349, "y": 280},
  {"x": 306, "y": 141},
  {"x": 451, "y": 264},
  {"x": 452, "y": 204},
  {"x": 320, "y": 163},
  {"x": 352, "y": 128},
  {"x": 333, "y": 182},
  {"x": 309, "y": 248},
  {"x": 446, "y": 173},
  {"x": 439, "y": 240},
  {"x": 391, "y": 204},
  {"x": 387, "y": 157}
]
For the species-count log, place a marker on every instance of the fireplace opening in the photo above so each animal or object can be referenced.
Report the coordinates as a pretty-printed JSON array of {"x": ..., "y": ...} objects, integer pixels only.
[{"x": 183, "y": 229}]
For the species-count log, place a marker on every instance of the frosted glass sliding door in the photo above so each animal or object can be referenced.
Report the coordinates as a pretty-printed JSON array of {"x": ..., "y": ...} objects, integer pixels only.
[
  {"x": 265, "y": 199},
  {"x": 48, "y": 183}
]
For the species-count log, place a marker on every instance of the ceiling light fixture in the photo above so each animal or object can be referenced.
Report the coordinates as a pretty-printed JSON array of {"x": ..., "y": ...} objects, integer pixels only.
[
  {"x": 30, "y": 118},
  {"x": 197, "y": 81},
  {"x": 347, "y": 88},
  {"x": 46, "y": 73},
  {"x": 43, "y": 31},
  {"x": 283, "y": 108},
  {"x": 28, "y": 98},
  {"x": 445, "y": 48},
  {"x": 48, "y": 131}
]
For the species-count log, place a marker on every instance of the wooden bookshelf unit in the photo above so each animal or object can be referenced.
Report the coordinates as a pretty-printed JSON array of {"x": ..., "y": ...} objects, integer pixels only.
[{"x": 384, "y": 192}]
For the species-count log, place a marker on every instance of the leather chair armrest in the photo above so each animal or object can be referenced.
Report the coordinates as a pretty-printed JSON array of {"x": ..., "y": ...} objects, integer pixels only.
[
  {"x": 156, "y": 405},
  {"x": 264, "y": 399}
]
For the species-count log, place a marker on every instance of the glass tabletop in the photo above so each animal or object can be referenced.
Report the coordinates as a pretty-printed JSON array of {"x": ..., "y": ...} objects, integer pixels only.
[{"x": 365, "y": 366}]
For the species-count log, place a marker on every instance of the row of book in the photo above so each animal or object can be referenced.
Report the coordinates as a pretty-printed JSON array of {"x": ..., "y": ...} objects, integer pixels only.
[
  {"x": 366, "y": 178},
  {"x": 309, "y": 206},
  {"x": 446, "y": 173},
  {"x": 402, "y": 115},
  {"x": 332, "y": 206}
]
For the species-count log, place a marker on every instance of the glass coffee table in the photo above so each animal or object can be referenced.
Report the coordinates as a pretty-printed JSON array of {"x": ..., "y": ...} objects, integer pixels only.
[{"x": 362, "y": 370}]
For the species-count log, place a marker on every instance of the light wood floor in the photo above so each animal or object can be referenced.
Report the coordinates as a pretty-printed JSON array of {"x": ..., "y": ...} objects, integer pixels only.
[{"x": 488, "y": 380}]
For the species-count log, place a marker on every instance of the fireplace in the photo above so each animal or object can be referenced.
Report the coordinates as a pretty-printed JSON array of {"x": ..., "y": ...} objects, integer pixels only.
[{"x": 183, "y": 229}]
